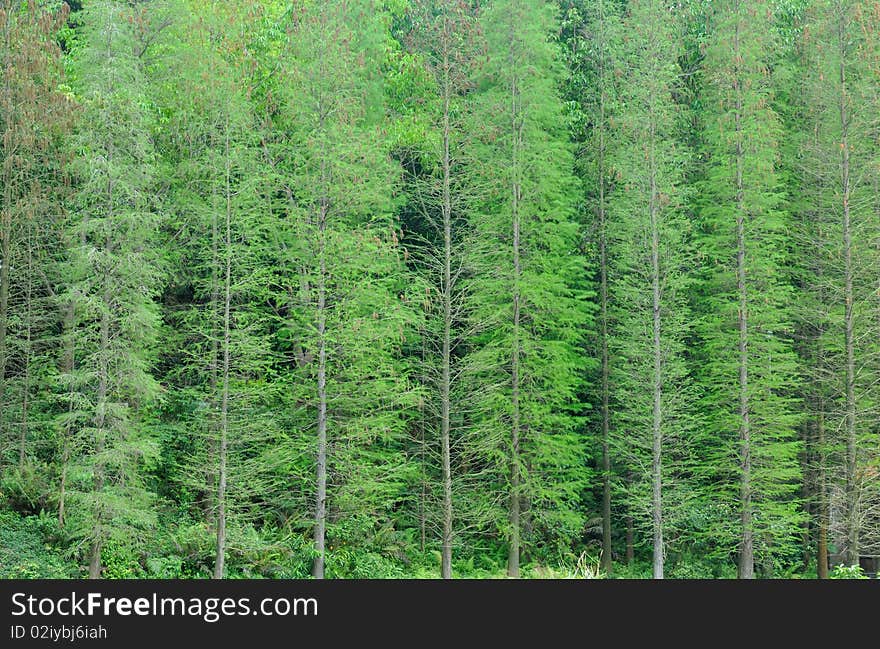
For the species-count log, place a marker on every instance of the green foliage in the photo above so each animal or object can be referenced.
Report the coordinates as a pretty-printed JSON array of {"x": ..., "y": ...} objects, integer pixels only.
[
  {"x": 847, "y": 572},
  {"x": 28, "y": 548},
  {"x": 240, "y": 239}
]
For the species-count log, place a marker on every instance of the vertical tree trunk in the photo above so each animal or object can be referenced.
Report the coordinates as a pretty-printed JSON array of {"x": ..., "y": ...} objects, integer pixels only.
[
  {"x": 321, "y": 496},
  {"x": 26, "y": 383},
  {"x": 657, "y": 431},
  {"x": 69, "y": 324},
  {"x": 513, "y": 551},
  {"x": 630, "y": 539},
  {"x": 851, "y": 487},
  {"x": 446, "y": 553},
  {"x": 746, "y": 566},
  {"x": 606, "y": 561},
  {"x": 822, "y": 527},
  {"x": 5, "y": 235},
  {"x": 224, "y": 398},
  {"x": 100, "y": 422}
]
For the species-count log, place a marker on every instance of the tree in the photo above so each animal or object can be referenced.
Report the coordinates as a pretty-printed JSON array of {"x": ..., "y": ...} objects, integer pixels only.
[
  {"x": 840, "y": 165},
  {"x": 34, "y": 115},
  {"x": 446, "y": 39},
  {"x": 530, "y": 310},
  {"x": 749, "y": 370},
  {"x": 652, "y": 272},
  {"x": 346, "y": 311},
  {"x": 592, "y": 38},
  {"x": 113, "y": 281}
]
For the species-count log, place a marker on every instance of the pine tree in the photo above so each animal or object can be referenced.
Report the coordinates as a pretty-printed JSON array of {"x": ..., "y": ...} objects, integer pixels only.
[
  {"x": 346, "y": 314},
  {"x": 530, "y": 311},
  {"x": 220, "y": 367},
  {"x": 652, "y": 272},
  {"x": 748, "y": 366},
  {"x": 841, "y": 176},
  {"x": 444, "y": 37},
  {"x": 34, "y": 115},
  {"x": 113, "y": 280},
  {"x": 591, "y": 35}
]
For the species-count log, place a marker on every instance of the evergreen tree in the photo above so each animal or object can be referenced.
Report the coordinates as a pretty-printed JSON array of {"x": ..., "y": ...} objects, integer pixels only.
[
  {"x": 346, "y": 309},
  {"x": 34, "y": 115},
  {"x": 841, "y": 177},
  {"x": 748, "y": 366},
  {"x": 530, "y": 310},
  {"x": 651, "y": 274},
  {"x": 113, "y": 278},
  {"x": 591, "y": 37}
]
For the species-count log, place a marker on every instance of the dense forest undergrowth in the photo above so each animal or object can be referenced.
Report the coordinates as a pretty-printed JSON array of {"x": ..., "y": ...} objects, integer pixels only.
[{"x": 439, "y": 288}]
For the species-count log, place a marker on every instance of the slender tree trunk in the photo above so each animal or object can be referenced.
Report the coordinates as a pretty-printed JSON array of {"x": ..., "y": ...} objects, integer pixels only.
[
  {"x": 26, "y": 387},
  {"x": 69, "y": 324},
  {"x": 851, "y": 487},
  {"x": 445, "y": 381},
  {"x": 746, "y": 555},
  {"x": 606, "y": 561},
  {"x": 657, "y": 430},
  {"x": 513, "y": 551},
  {"x": 422, "y": 459},
  {"x": 321, "y": 499},
  {"x": 822, "y": 527},
  {"x": 100, "y": 422},
  {"x": 5, "y": 235},
  {"x": 224, "y": 398},
  {"x": 630, "y": 539}
]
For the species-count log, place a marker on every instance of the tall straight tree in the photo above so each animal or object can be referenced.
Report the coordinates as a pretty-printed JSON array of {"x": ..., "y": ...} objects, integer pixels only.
[
  {"x": 346, "y": 318},
  {"x": 113, "y": 280},
  {"x": 652, "y": 273},
  {"x": 841, "y": 167},
  {"x": 748, "y": 366},
  {"x": 220, "y": 370},
  {"x": 444, "y": 35},
  {"x": 531, "y": 312},
  {"x": 591, "y": 34},
  {"x": 33, "y": 113}
]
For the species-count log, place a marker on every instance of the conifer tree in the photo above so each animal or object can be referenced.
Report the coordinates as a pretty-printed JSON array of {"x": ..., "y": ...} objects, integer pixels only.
[
  {"x": 652, "y": 272},
  {"x": 591, "y": 36},
  {"x": 346, "y": 311},
  {"x": 113, "y": 277},
  {"x": 530, "y": 311},
  {"x": 446, "y": 39},
  {"x": 748, "y": 366},
  {"x": 840, "y": 177},
  {"x": 34, "y": 114}
]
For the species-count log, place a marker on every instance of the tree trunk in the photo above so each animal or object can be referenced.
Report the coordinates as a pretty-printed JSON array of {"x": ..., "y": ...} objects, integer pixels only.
[
  {"x": 513, "y": 551},
  {"x": 100, "y": 422},
  {"x": 26, "y": 387},
  {"x": 851, "y": 487},
  {"x": 657, "y": 431},
  {"x": 321, "y": 496},
  {"x": 606, "y": 561},
  {"x": 446, "y": 554},
  {"x": 822, "y": 531},
  {"x": 746, "y": 566},
  {"x": 69, "y": 324},
  {"x": 224, "y": 398},
  {"x": 630, "y": 540}
]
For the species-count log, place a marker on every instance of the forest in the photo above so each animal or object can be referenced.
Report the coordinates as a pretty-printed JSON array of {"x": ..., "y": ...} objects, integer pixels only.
[{"x": 440, "y": 289}]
